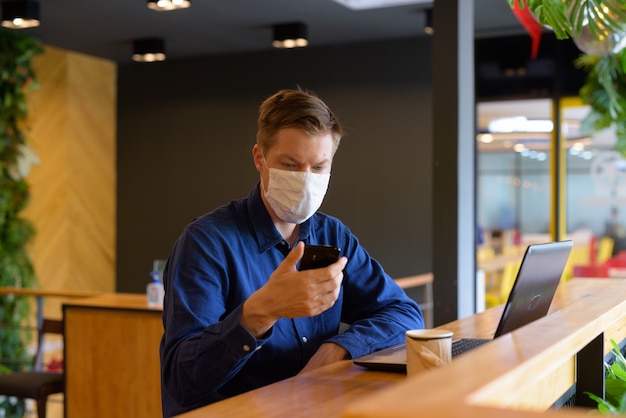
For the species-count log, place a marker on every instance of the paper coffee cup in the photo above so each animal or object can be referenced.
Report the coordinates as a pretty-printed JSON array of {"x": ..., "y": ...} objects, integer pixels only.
[{"x": 427, "y": 349}]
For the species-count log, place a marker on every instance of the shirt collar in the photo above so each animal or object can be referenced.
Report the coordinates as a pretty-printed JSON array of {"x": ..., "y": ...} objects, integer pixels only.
[{"x": 267, "y": 235}]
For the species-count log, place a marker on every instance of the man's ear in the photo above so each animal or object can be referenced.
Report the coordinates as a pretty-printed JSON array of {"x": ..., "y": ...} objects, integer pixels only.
[{"x": 257, "y": 156}]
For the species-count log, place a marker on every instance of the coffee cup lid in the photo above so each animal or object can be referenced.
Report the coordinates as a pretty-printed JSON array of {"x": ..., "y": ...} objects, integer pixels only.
[{"x": 431, "y": 333}]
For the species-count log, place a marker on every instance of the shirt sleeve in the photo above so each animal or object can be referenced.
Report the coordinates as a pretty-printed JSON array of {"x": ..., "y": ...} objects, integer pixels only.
[{"x": 204, "y": 344}]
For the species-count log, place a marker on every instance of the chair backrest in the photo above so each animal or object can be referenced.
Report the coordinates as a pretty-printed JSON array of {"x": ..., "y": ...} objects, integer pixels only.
[
  {"x": 48, "y": 326},
  {"x": 605, "y": 249},
  {"x": 508, "y": 279},
  {"x": 578, "y": 256}
]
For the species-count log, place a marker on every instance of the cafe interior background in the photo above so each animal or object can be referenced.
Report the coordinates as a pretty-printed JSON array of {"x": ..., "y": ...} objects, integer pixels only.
[{"x": 162, "y": 142}]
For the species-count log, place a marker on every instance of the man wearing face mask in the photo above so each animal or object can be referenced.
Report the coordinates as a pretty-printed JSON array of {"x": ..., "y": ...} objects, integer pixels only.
[{"x": 237, "y": 313}]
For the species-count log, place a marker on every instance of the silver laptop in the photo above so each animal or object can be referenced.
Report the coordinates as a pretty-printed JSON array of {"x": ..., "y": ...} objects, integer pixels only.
[{"x": 530, "y": 299}]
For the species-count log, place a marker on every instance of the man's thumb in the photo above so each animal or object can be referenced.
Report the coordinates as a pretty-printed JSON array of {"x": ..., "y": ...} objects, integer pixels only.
[{"x": 294, "y": 256}]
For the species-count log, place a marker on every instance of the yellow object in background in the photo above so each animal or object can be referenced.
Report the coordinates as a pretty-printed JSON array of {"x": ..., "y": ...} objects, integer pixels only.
[
  {"x": 605, "y": 249},
  {"x": 501, "y": 292}
]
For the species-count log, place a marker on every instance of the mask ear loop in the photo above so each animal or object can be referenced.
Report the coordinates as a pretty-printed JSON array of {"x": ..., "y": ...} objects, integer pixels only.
[{"x": 268, "y": 171}]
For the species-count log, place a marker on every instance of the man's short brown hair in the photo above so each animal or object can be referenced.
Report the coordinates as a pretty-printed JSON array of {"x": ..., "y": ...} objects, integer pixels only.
[{"x": 295, "y": 109}]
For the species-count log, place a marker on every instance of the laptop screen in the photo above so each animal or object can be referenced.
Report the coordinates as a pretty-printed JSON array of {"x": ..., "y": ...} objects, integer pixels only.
[{"x": 535, "y": 285}]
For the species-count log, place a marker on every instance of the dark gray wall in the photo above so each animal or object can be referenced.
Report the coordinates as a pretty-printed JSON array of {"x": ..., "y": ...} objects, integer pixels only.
[{"x": 186, "y": 130}]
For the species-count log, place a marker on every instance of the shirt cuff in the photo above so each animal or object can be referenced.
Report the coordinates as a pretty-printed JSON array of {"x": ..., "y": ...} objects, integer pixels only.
[{"x": 240, "y": 340}]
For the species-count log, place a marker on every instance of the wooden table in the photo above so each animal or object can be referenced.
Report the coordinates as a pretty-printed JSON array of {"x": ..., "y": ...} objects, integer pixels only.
[
  {"x": 524, "y": 372},
  {"x": 41, "y": 294},
  {"x": 112, "y": 357},
  {"x": 320, "y": 393}
]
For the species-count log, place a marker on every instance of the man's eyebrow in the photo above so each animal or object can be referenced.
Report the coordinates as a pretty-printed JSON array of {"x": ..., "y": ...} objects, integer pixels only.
[
  {"x": 324, "y": 161},
  {"x": 293, "y": 159},
  {"x": 287, "y": 157}
]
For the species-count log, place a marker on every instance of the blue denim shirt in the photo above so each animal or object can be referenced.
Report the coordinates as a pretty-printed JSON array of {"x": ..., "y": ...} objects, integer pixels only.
[{"x": 222, "y": 258}]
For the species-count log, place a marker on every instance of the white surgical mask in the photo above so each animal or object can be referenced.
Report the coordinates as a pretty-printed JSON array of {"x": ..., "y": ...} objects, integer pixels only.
[{"x": 295, "y": 196}]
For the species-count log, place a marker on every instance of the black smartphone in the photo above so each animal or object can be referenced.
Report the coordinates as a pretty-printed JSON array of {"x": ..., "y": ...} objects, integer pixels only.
[{"x": 317, "y": 256}]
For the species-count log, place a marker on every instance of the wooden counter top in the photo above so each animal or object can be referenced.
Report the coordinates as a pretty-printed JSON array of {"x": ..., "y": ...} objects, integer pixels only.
[
  {"x": 132, "y": 301},
  {"x": 21, "y": 291},
  {"x": 524, "y": 371},
  {"x": 320, "y": 393}
]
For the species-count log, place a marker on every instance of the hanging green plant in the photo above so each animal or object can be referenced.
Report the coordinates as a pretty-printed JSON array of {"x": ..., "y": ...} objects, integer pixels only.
[
  {"x": 571, "y": 18},
  {"x": 16, "y": 269},
  {"x": 605, "y": 93},
  {"x": 598, "y": 28}
]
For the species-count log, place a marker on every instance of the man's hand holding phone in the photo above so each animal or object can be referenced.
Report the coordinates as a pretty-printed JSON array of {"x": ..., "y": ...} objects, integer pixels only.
[{"x": 290, "y": 293}]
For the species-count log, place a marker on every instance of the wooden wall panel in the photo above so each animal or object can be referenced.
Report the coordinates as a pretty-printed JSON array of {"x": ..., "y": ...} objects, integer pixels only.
[{"x": 73, "y": 189}]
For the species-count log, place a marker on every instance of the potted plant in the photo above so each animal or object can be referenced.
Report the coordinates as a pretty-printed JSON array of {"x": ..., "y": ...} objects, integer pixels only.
[
  {"x": 614, "y": 401},
  {"x": 16, "y": 269}
]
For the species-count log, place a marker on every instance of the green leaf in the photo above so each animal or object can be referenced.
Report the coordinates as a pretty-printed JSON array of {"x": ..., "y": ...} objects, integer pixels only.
[
  {"x": 603, "y": 406},
  {"x": 614, "y": 385},
  {"x": 16, "y": 75},
  {"x": 615, "y": 393},
  {"x": 554, "y": 14},
  {"x": 617, "y": 353}
]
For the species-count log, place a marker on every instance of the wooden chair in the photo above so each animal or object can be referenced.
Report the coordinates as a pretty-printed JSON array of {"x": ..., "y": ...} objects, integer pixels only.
[
  {"x": 37, "y": 383},
  {"x": 426, "y": 280},
  {"x": 501, "y": 293},
  {"x": 578, "y": 256}
]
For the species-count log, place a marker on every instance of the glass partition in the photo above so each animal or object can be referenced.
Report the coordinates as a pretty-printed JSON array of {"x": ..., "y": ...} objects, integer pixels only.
[
  {"x": 538, "y": 181},
  {"x": 514, "y": 187},
  {"x": 595, "y": 182},
  {"x": 513, "y": 171}
]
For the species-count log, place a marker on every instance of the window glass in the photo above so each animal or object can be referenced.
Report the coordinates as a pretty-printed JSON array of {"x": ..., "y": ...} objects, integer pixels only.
[
  {"x": 595, "y": 180},
  {"x": 513, "y": 203},
  {"x": 516, "y": 204}
]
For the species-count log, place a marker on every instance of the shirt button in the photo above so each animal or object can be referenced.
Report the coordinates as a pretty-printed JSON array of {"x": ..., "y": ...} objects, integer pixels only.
[
  {"x": 304, "y": 339},
  {"x": 246, "y": 348}
]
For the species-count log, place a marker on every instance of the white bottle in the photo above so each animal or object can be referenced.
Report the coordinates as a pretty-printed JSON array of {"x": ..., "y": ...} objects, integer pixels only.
[{"x": 155, "y": 291}]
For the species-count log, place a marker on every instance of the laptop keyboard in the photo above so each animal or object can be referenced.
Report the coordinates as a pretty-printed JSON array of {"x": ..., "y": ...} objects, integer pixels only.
[{"x": 465, "y": 344}]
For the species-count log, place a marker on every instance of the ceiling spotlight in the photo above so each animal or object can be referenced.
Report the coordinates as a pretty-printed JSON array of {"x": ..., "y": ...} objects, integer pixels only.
[
  {"x": 20, "y": 14},
  {"x": 167, "y": 5},
  {"x": 428, "y": 27},
  {"x": 149, "y": 50},
  {"x": 290, "y": 35}
]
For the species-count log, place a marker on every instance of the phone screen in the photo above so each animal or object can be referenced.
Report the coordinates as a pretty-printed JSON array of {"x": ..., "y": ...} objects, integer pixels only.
[{"x": 317, "y": 256}]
